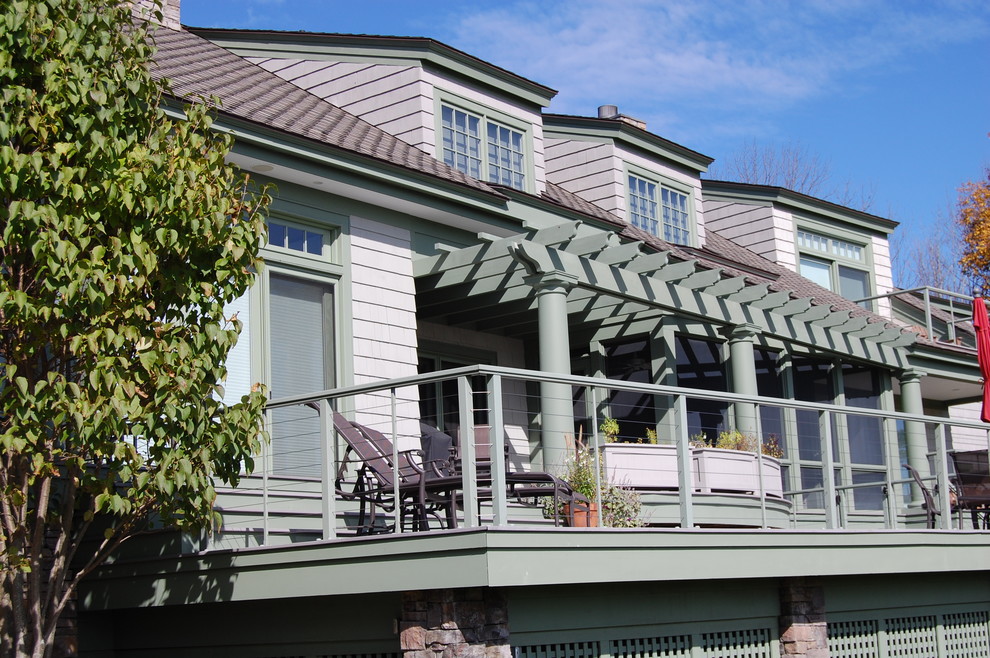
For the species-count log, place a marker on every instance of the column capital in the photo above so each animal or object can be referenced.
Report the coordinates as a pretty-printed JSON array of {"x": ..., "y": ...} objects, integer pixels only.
[
  {"x": 910, "y": 375},
  {"x": 552, "y": 281},
  {"x": 741, "y": 332}
]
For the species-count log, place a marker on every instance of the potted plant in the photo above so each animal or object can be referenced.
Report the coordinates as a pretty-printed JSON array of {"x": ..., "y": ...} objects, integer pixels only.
[
  {"x": 734, "y": 465},
  {"x": 620, "y": 506}
]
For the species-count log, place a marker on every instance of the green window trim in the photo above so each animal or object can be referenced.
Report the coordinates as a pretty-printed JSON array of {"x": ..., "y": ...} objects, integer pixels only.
[
  {"x": 484, "y": 143},
  {"x": 659, "y": 207}
]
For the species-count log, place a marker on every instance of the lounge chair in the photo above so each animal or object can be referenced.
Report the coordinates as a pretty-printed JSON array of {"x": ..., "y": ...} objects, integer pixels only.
[{"x": 429, "y": 489}]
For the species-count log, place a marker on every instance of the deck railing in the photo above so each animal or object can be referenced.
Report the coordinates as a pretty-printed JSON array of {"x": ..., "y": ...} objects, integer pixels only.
[{"x": 871, "y": 492}]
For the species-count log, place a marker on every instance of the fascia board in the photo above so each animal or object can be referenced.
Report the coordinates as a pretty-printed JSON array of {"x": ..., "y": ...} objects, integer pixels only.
[
  {"x": 403, "y": 51},
  {"x": 519, "y": 557},
  {"x": 564, "y": 127},
  {"x": 353, "y": 163},
  {"x": 768, "y": 195}
]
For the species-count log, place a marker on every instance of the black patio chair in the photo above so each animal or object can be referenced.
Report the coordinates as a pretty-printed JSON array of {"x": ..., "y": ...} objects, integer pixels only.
[
  {"x": 972, "y": 480},
  {"x": 931, "y": 507}
]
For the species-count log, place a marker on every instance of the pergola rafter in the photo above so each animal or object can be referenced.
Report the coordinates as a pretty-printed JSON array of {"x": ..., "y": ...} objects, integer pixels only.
[{"x": 487, "y": 286}]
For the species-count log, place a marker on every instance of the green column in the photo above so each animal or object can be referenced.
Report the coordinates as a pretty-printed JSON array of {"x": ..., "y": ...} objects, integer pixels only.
[
  {"x": 556, "y": 408},
  {"x": 915, "y": 436},
  {"x": 742, "y": 370}
]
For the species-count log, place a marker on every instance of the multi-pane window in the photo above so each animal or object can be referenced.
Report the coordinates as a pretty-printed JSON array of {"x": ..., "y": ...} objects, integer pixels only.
[
  {"x": 659, "y": 210},
  {"x": 294, "y": 238},
  {"x": 821, "y": 261},
  {"x": 499, "y": 157}
]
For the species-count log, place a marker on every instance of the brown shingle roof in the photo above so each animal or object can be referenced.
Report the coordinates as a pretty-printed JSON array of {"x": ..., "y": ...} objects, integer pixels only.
[{"x": 197, "y": 69}]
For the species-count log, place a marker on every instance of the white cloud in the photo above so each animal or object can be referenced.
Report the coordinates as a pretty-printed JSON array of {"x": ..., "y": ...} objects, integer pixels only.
[{"x": 662, "y": 60}]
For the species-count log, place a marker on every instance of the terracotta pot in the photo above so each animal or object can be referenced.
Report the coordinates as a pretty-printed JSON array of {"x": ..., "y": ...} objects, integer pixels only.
[{"x": 578, "y": 517}]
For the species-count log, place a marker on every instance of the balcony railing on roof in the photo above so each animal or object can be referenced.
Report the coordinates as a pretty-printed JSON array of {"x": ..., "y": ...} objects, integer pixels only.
[
  {"x": 874, "y": 492},
  {"x": 941, "y": 308}
]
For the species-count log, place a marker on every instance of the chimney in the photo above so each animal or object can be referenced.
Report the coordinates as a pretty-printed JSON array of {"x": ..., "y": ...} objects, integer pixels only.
[
  {"x": 612, "y": 112},
  {"x": 608, "y": 111},
  {"x": 145, "y": 9}
]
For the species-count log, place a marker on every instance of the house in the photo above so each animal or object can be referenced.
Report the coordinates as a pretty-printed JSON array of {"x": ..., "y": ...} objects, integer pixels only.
[{"x": 432, "y": 216}]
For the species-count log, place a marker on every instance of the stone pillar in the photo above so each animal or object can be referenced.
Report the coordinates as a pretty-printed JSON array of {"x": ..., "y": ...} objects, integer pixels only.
[
  {"x": 742, "y": 371},
  {"x": 803, "y": 627},
  {"x": 915, "y": 435},
  {"x": 556, "y": 407},
  {"x": 453, "y": 623}
]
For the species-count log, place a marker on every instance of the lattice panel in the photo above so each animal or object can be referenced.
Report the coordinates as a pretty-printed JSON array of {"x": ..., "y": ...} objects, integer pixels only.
[
  {"x": 672, "y": 646},
  {"x": 853, "y": 639},
  {"x": 751, "y": 643},
  {"x": 966, "y": 635},
  {"x": 563, "y": 650},
  {"x": 912, "y": 636}
]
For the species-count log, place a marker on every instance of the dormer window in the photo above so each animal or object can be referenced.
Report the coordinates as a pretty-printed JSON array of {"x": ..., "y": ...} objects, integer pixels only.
[
  {"x": 482, "y": 148},
  {"x": 835, "y": 264},
  {"x": 659, "y": 210}
]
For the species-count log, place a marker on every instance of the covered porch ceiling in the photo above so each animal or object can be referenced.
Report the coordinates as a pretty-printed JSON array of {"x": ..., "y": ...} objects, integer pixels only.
[{"x": 485, "y": 287}]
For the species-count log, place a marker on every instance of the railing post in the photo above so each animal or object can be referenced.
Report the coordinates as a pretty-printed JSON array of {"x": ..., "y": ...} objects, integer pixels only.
[
  {"x": 685, "y": 483},
  {"x": 465, "y": 399},
  {"x": 893, "y": 459},
  {"x": 942, "y": 471},
  {"x": 828, "y": 476},
  {"x": 327, "y": 471},
  {"x": 596, "y": 456},
  {"x": 928, "y": 313},
  {"x": 265, "y": 467},
  {"x": 759, "y": 468},
  {"x": 495, "y": 420},
  {"x": 395, "y": 462}
]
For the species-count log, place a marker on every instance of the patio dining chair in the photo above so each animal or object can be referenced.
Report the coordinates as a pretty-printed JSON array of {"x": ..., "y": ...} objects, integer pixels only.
[
  {"x": 931, "y": 507},
  {"x": 972, "y": 480}
]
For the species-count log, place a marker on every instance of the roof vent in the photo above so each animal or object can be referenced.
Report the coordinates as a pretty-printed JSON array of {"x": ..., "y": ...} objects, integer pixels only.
[{"x": 608, "y": 111}]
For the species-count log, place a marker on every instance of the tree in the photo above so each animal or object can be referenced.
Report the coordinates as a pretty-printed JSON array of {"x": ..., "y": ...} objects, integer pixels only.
[
  {"x": 123, "y": 235},
  {"x": 792, "y": 166},
  {"x": 932, "y": 258},
  {"x": 974, "y": 217}
]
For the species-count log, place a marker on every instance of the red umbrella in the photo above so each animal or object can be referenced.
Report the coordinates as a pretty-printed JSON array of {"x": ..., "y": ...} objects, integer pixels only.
[{"x": 982, "y": 323}]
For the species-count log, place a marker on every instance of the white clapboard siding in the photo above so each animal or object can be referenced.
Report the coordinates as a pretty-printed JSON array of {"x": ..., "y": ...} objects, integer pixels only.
[
  {"x": 964, "y": 438},
  {"x": 384, "y": 324},
  {"x": 752, "y": 226},
  {"x": 588, "y": 169},
  {"x": 394, "y": 98},
  {"x": 884, "y": 274},
  {"x": 239, "y": 379}
]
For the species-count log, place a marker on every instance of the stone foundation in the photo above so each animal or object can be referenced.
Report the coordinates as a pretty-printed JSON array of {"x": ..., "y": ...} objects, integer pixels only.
[
  {"x": 448, "y": 623},
  {"x": 803, "y": 627}
]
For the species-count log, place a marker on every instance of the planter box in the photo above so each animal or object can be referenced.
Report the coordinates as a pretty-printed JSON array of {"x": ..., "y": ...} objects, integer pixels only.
[
  {"x": 733, "y": 471},
  {"x": 642, "y": 465}
]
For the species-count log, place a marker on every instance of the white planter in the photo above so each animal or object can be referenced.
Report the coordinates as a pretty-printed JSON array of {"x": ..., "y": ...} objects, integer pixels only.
[
  {"x": 734, "y": 471},
  {"x": 642, "y": 465}
]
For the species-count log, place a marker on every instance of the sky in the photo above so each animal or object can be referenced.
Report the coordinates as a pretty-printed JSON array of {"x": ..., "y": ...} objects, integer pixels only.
[{"x": 893, "y": 95}]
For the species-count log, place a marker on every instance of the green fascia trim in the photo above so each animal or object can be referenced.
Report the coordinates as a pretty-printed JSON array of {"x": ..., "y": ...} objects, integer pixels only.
[
  {"x": 561, "y": 126},
  {"x": 339, "y": 158},
  {"x": 939, "y": 362},
  {"x": 518, "y": 557},
  {"x": 768, "y": 194},
  {"x": 408, "y": 51},
  {"x": 561, "y": 212}
]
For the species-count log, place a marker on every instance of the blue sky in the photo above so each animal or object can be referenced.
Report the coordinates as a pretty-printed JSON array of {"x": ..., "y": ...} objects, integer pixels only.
[{"x": 893, "y": 94}]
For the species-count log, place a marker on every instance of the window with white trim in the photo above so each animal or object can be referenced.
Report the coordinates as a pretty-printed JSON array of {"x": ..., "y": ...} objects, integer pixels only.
[
  {"x": 835, "y": 264},
  {"x": 482, "y": 148},
  {"x": 659, "y": 210}
]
